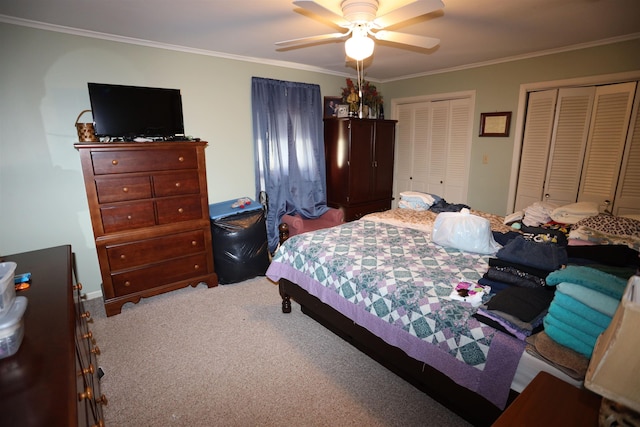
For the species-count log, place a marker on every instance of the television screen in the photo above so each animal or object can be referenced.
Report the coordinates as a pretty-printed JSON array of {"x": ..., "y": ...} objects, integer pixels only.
[{"x": 132, "y": 111}]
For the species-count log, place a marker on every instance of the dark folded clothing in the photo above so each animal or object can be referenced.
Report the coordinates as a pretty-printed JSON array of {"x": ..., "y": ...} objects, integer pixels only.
[
  {"x": 523, "y": 303},
  {"x": 443, "y": 206},
  {"x": 514, "y": 277},
  {"x": 544, "y": 235},
  {"x": 496, "y": 325},
  {"x": 504, "y": 238},
  {"x": 497, "y": 262},
  {"x": 496, "y": 286},
  {"x": 614, "y": 255},
  {"x": 543, "y": 256}
]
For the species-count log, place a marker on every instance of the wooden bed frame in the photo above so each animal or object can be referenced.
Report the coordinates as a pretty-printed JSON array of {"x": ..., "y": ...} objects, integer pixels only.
[{"x": 465, "y": 403}]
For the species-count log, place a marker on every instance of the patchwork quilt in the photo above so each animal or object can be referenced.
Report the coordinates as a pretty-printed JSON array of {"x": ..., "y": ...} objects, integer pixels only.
[{"x": 396, "y": 283}]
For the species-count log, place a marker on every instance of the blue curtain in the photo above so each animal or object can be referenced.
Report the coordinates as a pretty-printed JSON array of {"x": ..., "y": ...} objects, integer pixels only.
[{"x": 289, "y": 150}]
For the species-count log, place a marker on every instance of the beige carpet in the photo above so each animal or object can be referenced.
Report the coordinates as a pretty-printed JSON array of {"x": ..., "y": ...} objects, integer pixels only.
[{"x": 228, "y": 356}]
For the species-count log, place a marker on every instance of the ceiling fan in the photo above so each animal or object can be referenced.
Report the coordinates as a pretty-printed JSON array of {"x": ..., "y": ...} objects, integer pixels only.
[{"x": 360, "y": 20}]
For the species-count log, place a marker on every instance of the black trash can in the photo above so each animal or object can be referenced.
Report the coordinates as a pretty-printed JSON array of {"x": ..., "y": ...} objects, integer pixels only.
[{"x": 239, "y": 235}]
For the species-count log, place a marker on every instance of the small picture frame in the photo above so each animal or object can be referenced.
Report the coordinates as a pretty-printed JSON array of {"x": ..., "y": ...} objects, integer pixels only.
[
  {"x": 331, "y": 104},
  {"x": 343, "y": 110},
  {"x": 495, "y": 124}
]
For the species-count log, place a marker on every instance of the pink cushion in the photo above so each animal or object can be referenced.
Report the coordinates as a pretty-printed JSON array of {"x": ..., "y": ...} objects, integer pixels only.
[{"x": 298, "y": 225}]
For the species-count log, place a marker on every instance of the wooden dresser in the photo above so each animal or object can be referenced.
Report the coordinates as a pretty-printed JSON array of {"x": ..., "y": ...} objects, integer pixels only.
[
  {"x": 52, "y": 379},
  {"x": 150, "y": 216},
  {"x": 359, "y": 156}
]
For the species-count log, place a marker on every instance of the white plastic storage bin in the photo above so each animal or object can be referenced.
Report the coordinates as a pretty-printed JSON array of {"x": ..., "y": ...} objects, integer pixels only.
[
  {"x": 12, "y": 328},
  {"x": 7, "y": 287}
]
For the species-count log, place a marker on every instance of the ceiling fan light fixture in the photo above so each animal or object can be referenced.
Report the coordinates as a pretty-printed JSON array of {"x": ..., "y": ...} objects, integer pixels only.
[{"x": 359, "y": 46}]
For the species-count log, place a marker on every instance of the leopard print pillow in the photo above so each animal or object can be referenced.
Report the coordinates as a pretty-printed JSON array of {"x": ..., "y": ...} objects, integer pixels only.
[{"x": 613, "y": 225}]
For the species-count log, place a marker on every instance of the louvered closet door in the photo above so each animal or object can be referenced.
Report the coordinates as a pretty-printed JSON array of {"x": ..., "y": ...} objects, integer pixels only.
[
  {"x": 535, "y": 148},
  {"x": 412, "y": 155},
  {"x": 605, "y": 146},
  {"x": 568, "y": 143},
  {"x": 434, "y": 148},
  {"x": 439, "y": 138},
  {"x": 458, "y": 151},
  {"x": 628, "y": 193},
  {"x": 404, "y": 151}
]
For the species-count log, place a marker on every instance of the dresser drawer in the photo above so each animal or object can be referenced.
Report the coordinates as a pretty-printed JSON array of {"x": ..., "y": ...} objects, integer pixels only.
[
  {"x": 160, "y": 274},
  {"x": 154, "y": 250},
  {"x": 124, "y": 161},
  {"x": 126, "y": 217},
  {"x": 122, "y": 189},
  {"x": 176, "y": 184},
  {"x": 178, "y": 209}
]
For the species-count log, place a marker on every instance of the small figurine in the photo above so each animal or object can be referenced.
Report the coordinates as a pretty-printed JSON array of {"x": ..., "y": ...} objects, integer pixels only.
[{"x": 353, "y": 99}]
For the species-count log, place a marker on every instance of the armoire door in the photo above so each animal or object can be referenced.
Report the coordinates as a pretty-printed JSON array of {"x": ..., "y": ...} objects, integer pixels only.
[
  {"x": 361, "y": 160},
  {"x": 383, "y": 153}
]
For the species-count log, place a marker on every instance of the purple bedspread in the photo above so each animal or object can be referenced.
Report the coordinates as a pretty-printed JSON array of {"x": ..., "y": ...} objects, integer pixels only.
[{"x": 396, "y": 283}]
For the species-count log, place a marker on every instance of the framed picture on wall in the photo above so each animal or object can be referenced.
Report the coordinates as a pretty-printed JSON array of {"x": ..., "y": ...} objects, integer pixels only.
[
  {"x": 331, "y": 104},
  {"x": 495, "y": 124}
]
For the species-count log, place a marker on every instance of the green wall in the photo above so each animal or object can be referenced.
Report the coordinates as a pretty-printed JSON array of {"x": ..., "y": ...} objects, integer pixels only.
[
  {"x": 43, "y": 88},
  {"x": 497, "y": 89}
]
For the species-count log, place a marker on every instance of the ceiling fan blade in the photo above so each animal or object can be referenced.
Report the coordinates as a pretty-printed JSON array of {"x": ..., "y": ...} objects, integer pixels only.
[
  {"x": 321, "y": 11},
  {"x": 404, "y": 13},
  {"x": 312, "y": 39},
  {"x": 408, "y": 39}
]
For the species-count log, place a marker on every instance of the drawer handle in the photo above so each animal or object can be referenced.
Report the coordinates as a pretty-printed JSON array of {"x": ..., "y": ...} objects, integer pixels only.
[
  {"x": 77, "y": 287},
  {"x": 181, "y": 159},
  {"x": 85, "y": 315},
  {"x": 180, "y": 210},
  {"x": 129, "y": 217},
  {"x": 196, "y": 267},
  {"x": 125, "y": 189},
  {"x": 123, "y": 256},
  {"x": 96, "y": 350},
  {"x": 88, "y": 394},
  {"x": 103, "y": 401},
  {"x": 88, "y": 335},
  {"x": 178, "y": 185},
  {"x": 194, "y": 243},
  {"x": 127, "y": 283},
  {"x": 114, "y": 162},
  {"x": 90, "y": 370}
]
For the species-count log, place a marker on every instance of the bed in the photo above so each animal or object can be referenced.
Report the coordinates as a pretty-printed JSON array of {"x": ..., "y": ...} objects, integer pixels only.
[{"x": 381, "y": 284}]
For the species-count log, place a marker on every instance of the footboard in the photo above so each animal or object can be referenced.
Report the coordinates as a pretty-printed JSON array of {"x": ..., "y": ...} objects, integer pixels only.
[{"x": 469, "y": 405}]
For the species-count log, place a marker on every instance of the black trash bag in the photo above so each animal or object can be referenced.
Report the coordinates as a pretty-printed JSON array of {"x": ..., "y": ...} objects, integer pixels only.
[{"x": 240, "y": 249}]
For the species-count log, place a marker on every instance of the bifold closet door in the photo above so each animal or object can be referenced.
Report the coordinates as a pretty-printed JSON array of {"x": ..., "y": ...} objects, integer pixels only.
[
  {"x": 536, "y": 141},
  {"x": 627, "y": 199},
  {"x": 574, "y": 148},
  {"x": 606, "y": 144},
  {"x": 434, "y": 148},
  {"x": 412, "y": 154}
]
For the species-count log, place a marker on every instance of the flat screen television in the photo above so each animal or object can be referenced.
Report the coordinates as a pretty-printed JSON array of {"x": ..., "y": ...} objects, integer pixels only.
[{"x": 132, "y": 111}]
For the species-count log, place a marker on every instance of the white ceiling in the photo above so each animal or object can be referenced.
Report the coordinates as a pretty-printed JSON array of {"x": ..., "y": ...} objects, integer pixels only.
[{"x": 471, "y": 31}]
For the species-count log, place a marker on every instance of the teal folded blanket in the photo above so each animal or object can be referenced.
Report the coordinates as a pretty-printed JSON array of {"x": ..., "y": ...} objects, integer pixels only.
[
  {"x": 575, "y": 322},
  {"x": 590, "y": 297},
  {"x": 564, "y": 335},
  {"x": 580, "y": 311},
  {"x": 591, "y": 278}
]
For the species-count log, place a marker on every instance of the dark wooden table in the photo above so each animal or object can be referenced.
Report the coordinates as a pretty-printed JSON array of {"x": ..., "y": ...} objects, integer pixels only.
[
  {"x": 38, "y": 383},
  {"x": 548, "y": 401}
]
